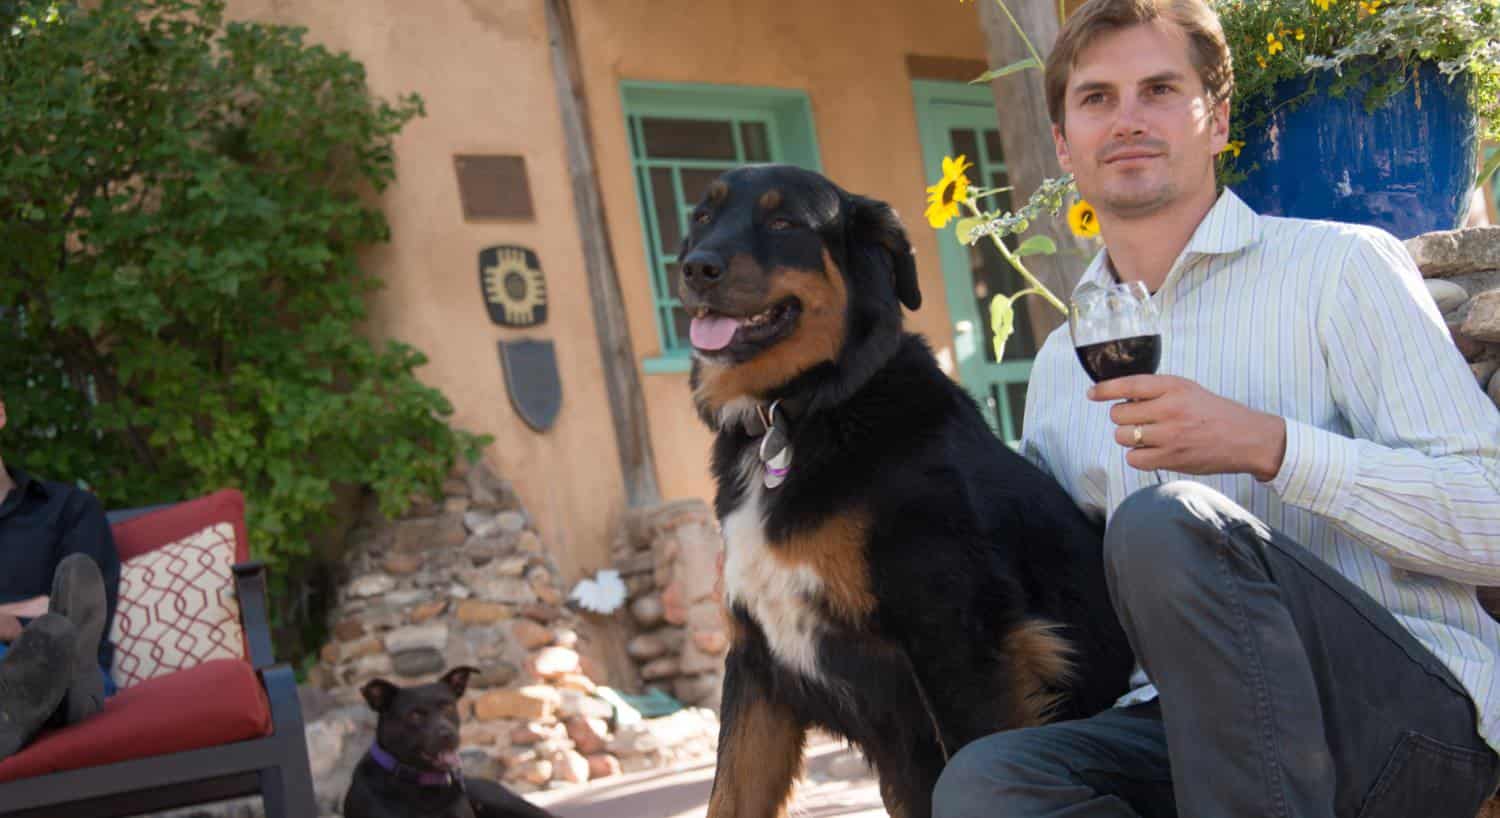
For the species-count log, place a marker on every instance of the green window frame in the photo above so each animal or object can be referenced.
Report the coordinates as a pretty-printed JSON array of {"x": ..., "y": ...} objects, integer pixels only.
[{"x": 763, "y": 125}]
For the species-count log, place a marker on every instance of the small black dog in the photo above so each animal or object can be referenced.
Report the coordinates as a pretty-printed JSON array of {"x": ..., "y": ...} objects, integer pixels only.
[{"x": 413, "y": 768}]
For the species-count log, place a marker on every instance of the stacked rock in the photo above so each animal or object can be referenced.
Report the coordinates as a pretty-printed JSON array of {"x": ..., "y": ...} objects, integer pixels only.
[
  {"x": 668, "y": 557},
  {"x": 1462, "y": 271},
  {"x": 466, "y": 582}
]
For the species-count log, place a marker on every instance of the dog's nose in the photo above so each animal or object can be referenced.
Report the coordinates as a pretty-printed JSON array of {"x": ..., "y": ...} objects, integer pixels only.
[{"x": 702, "y": 269}]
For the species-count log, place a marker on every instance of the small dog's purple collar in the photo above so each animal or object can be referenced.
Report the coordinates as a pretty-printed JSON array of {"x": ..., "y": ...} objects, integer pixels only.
[{"x": 422, "y": 778}]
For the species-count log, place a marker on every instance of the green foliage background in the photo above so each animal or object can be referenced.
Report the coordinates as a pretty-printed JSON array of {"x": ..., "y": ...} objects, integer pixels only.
[{"x": 182, "y": 200}]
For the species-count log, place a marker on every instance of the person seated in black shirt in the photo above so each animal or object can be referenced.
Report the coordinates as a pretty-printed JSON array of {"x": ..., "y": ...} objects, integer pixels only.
[{"x": 59, "y": 581}]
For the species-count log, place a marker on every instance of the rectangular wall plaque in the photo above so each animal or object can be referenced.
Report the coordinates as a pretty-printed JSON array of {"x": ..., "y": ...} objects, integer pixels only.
[{"x": 493, "y": 187}]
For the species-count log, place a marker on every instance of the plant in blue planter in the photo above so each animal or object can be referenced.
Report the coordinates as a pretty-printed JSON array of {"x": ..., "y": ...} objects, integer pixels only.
[{"x": 1362, "y": 110}]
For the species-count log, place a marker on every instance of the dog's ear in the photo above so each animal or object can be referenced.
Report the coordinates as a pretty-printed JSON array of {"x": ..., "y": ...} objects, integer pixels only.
[
  {"x": 457, "y": 679},
  {"x": 379, "y": 694},
  {"x": 875, "y": 225}
]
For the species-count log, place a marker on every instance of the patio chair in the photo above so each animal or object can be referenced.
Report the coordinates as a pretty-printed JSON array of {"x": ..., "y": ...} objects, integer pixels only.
[{"x": 222, "y": 728}]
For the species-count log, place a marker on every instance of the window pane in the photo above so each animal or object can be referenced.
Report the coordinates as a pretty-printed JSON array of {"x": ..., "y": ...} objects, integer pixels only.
[
  {"x": 994, "y": 277},
  {"x": 1016, "y": 392},
  {"x": 680, "y": 320},
  {"x": 992, "y": 145},
  {"x": 669, "y": 281},
  {"x": 664, "y": 207},
  {"x": 1001, "y": 201},
  {"x": 754, "y": 140},
  {"x": 695, "y": 183},
  {"x": 688, "y": 139},
  {"x": 965, "y": 143}
]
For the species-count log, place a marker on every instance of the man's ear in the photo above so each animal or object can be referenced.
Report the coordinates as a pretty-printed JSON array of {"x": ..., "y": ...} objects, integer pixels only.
[
  {"x": 873, "y": 225},
  {"x": 379, "y": 694},
  {"x": 457, "y": 679},
  {"x": 1220, "y": 113},
  {"x": 1060, "y": 142}
]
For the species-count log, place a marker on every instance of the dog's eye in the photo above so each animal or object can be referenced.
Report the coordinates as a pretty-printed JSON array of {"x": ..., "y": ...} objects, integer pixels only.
[
  {"x": 702, "y": 217},
  {"x": 415, "y": 716},
  {"x": 779, "y": 223}
]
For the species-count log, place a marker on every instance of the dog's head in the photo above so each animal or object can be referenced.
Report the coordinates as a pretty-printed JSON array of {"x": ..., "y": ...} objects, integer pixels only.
[
  {"x": 419, "y": 725},
  {"x": 792, "y": 284}
]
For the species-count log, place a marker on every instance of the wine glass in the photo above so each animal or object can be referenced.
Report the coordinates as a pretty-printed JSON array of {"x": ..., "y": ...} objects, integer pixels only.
[{"x": 1116, "y": 331}]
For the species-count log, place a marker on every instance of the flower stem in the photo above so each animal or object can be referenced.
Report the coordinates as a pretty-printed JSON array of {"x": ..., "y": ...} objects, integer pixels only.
[
  {"x": 1024, "y": 38},
  {"x": 1036, "y": 287}
]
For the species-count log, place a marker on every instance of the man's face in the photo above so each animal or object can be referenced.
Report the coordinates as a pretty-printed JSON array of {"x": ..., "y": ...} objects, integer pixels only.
[{"x": 1139, "y": 129}]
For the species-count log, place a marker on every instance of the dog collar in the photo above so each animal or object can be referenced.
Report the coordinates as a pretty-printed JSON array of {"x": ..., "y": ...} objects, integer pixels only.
[{"x": 422, "y": 778}]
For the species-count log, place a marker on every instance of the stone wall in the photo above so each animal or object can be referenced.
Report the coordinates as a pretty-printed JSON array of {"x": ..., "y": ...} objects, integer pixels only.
[
  {"x": 467, "y": 581},
  {"x": 1462, "y": 271},
  {"x": 668, "y": 557}
]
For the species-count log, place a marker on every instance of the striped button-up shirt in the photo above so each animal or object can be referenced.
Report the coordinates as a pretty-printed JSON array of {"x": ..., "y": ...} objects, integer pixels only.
[{"x": 1392, "y": 465}]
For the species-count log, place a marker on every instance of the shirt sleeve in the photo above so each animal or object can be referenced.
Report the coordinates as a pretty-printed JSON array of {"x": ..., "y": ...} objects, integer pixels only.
[
  {"x": 1418, "y": 480},
  {"x": 87, "y": 532}
]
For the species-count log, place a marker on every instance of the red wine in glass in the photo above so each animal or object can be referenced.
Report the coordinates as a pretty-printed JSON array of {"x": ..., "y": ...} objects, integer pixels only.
[
  {"x": 1115, "y": 332},
  {"x": 1136, "y": 355}
]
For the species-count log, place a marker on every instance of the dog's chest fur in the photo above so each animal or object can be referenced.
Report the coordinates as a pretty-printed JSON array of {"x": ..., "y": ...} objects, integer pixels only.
[{"x": 779, "y": 594}]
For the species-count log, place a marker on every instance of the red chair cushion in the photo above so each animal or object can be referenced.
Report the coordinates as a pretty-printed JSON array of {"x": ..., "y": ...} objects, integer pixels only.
[
  {"x": 157, "y": 528},
  {"x": 217, "y": 702}
]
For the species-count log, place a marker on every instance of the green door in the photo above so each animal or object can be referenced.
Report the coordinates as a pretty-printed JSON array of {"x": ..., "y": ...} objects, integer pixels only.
[{"x": 955, "y": 118}]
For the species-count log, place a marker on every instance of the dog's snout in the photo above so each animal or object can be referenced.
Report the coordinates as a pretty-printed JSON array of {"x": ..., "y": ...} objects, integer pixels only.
[{"x": 702, "y": 269}]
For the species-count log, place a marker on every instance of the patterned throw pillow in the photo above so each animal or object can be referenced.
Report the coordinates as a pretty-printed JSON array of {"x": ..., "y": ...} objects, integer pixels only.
[{"x": 177, "y": 608}]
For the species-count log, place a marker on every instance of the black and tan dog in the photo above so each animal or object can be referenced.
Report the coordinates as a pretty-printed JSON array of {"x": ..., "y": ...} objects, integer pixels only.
[{"x": 894, "y": 573}]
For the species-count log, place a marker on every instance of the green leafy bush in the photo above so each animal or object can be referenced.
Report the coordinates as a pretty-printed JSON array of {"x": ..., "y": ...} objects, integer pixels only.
[{"x": 182, "y": 202}]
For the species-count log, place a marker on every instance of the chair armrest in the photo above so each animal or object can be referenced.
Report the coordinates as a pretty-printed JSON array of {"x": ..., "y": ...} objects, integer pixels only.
[
  {"x": 250, "y": 588},
  {"x": 281, "y": 690}
]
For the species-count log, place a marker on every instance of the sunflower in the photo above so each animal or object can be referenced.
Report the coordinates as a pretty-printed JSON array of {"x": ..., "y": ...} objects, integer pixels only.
[
  {"x": 1082, "y": 220},
  {"x": 944, "y": 197}
]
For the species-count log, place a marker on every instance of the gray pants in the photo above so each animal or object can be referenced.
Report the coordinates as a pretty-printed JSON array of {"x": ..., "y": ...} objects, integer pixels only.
[{"x": 1285, "y": 691}]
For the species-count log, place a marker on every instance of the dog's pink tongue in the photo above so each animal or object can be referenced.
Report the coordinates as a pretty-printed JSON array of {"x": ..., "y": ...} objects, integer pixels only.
[
  {"x": 714, "y": 332},
  {"x": 450, "y": 760}
]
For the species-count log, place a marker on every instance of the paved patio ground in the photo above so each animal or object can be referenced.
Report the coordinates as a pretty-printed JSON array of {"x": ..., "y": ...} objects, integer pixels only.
[{"x": 834, "y": 784}]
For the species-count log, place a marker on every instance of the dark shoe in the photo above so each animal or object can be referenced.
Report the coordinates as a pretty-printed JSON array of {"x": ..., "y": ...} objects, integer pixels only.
[
  {"x": 78, "y": 594},
  {"x": 33, "y": 679}
]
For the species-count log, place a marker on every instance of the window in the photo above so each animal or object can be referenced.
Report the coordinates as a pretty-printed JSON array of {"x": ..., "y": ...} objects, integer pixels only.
[{"x": 681, "y": 138}]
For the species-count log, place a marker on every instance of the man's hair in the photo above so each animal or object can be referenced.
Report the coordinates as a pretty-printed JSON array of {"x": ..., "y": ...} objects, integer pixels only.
[{"x": 1206, "y": 45}]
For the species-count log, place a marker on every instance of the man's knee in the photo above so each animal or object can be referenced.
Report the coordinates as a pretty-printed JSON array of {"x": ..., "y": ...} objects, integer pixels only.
[
  {"x": 1159, "y": 533},
  {"x": 996, "y": 770}
]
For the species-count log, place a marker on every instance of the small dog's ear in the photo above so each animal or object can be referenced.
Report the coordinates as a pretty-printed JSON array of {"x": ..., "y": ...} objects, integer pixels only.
[
  {"x": 379, "y": 694},
  {"x": 457, "y": 679},
  {"x": 873, "y": 223}
]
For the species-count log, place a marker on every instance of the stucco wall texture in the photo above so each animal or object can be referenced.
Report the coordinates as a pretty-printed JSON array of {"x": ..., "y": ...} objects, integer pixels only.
[{"x": 483, "y": 68}]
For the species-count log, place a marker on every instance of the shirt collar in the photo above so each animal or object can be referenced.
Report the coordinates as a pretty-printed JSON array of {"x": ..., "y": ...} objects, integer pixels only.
[
  {"x": 24, "y": 483},
  {"x": 1229, "y": 227}
]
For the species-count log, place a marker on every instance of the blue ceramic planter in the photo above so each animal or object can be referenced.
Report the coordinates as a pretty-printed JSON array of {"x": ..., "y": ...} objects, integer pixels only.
[{"x": 1406, "y": 167}]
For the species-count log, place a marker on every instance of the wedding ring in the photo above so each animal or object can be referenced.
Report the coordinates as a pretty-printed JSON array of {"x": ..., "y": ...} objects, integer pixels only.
[{"x": 1137, "y": 438}]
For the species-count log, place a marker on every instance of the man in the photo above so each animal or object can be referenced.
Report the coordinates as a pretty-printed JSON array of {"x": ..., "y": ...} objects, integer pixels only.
[
  {"x": 1301, "y": 589},
  {"x": 59, "y": 577}
]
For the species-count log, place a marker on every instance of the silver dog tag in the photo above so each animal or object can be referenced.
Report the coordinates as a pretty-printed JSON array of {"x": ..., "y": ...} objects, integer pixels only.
[{"x": 775, "y": 453}]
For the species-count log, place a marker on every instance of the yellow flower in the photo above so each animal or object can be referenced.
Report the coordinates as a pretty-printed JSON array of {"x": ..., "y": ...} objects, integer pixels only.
[
  {"x": 1371, "y": 7},
  {"x": 944, "y": 197},
  {"x": 1274, "y": 45},
  {"x": 1233, "y": 147},
  {"x": 1322, "y": 4},
  {"x": 1082, "y": 220},
  {"x": 1261, "y": 60},
  {"x": 1300, "y": 36}
]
